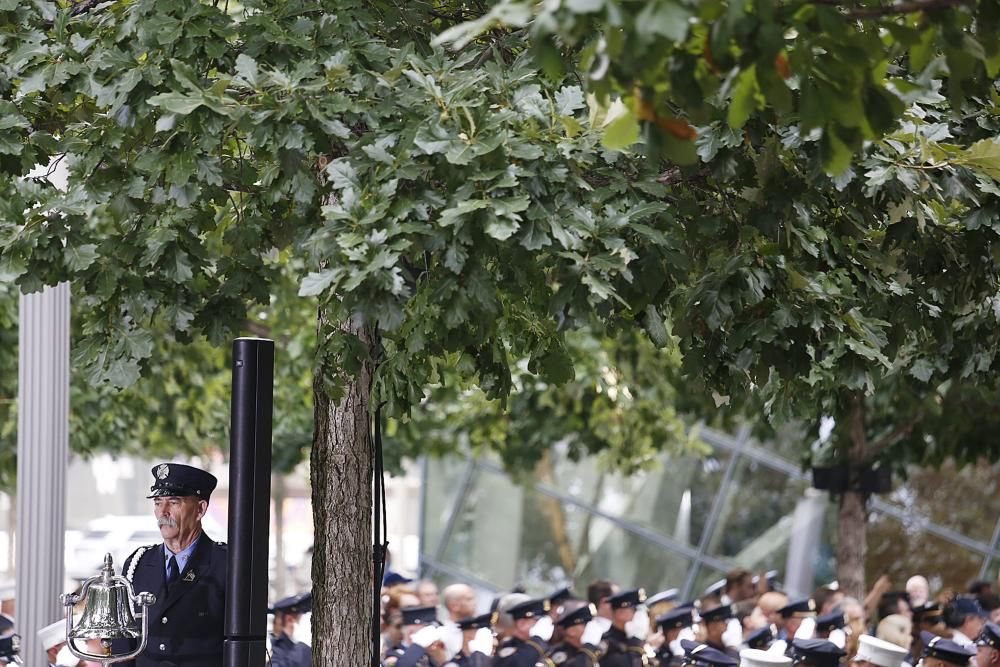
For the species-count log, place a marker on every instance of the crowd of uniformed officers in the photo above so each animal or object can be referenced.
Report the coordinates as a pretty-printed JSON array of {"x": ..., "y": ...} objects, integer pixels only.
[{"x": 742, "y": 621}]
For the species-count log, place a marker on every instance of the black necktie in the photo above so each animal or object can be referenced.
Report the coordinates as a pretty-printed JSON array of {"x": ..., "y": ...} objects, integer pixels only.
[{"x": 172, "y": 571}]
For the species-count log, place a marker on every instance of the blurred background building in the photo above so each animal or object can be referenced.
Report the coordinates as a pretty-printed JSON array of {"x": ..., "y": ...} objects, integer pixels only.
[{"x": 682, "y": 522}]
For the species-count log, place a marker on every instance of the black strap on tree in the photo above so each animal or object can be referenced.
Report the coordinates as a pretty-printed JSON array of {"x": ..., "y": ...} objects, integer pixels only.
[{"x": 379, "y": 520}]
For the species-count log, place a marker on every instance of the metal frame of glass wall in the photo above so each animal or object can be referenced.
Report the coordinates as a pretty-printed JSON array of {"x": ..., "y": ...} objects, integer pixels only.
[{"x": 738, "y": 461}]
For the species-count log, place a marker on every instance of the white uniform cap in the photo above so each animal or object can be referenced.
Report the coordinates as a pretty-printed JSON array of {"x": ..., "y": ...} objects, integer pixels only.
[
  {"x": 752, "y": 657},
  {"x": 53, "y": 634},
  {"x": 879, "y": 652}
]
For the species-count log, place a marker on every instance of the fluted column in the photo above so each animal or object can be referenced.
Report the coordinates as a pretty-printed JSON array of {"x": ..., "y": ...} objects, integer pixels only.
[{"x": 42, "y": 458}]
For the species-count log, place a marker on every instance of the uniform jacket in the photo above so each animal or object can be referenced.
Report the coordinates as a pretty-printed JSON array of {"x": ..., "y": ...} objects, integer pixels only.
[
  {"x": 514, "y": 652},
  {"x": 620, "y": 650},
  {"x": 286, "y": 652},
  {"x": 186, "y": 623},
  {"x": 567, "y": 655},
  {"x": 474, "y": 659}
]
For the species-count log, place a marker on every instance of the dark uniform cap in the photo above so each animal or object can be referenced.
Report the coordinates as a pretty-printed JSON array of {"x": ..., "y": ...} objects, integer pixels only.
[
  {"x": 819, "y": 652},
  {"x": 966, "y": 606},
  {"x": 579, "y": 616},
  {"x": 476, "y": 622},
  {"x": 680, "y": 617},
  {"x": 928, "y": 611},
  {"x": 663, "y": 596},
  {"x": 394, "y": 579},
  {"x": 761, "y": 638},
  {"x": 6, "y": 623},
  {"x": 627, "y": 599},
  {"x": 829, "y": 622},
  {"x": 295, "y": 604},
  {"x": 564, "y": 593},
  {"x": 798, "y": 609},
  {"x": 530, "y": 608},
  {"x": 702, "y": 655},
  {"x": 990, "y": 636},
  {"x": 944, "y": 649},
  {"x": 419, "y": 615},
  {"x": 177, "y": 479},
  {"x": 10, "y": 647},
  {"x": 721, "y": 613}
]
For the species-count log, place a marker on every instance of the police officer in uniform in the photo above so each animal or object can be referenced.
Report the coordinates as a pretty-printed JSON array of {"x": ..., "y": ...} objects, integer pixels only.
[
  {"x": 572, "y": 651},
  {"x": 619, "y": 649},
  {"x": 714, "y": 622},
  {"x": 988, "y": 646},
  {"x": 186, "y": 572},
  {"x": 697, "y": 654},
  {"x": 940, "y": 652},
  {"x": 671, "y": 624},
  {"x": 469, "y": 657},
  {"x": 520, "y": 648},
  {"x": 814, "y": 653},
  {"x": 285, "y": 651},
  {"x": 423, "y": 637}
]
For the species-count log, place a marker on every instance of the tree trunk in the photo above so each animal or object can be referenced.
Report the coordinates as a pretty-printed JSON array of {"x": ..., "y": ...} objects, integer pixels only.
[
  {"x": 851, "y": 544},
  {"x": 341, "y": 471}
]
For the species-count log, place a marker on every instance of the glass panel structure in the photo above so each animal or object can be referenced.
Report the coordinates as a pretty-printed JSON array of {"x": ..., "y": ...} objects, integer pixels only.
[{"x": 688, "y": 519}]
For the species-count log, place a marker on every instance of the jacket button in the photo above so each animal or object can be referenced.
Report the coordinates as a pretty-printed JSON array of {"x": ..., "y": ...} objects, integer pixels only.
[
  {"x": 163, "y": 647},
  {"x": 163, "y": 620}
]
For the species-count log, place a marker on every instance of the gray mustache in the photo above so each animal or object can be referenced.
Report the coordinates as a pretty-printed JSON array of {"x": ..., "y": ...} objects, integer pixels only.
[{"x": 166, "y": 522}]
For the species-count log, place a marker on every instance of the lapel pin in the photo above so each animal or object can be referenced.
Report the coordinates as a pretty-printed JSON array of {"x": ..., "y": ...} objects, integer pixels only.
[{"x": 189, "y": 576}]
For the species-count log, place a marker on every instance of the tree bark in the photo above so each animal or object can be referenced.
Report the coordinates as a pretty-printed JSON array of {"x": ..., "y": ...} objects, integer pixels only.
[
  {"x": 341, "y": 472},
  {"x": 851, "y": 544}
]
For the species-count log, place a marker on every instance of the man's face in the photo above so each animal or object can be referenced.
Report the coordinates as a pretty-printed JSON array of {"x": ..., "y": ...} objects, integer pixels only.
[
  {"x": 743, "y": 590},
  {"x": 987, "y": 656},
  {"x": 574, "y": 633},
  {"x": 394, "y": 628},
  {"x": 792, "y": 625},
  {"x": 178, "y": 515},
  {"x": 619, "y": 617},
  {"x": 462, "y": 602},
  {"x": 973, "y": 626},
  {"x": 714, "y": 631},
  {"x": 428, "y": 594}
]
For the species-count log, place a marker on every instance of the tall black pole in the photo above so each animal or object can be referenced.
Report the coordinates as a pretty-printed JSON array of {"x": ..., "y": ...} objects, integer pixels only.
[{"x": 249, "y": 502}]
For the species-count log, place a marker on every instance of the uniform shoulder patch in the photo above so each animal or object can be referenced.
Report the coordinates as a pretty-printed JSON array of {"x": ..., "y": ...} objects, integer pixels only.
[
  {"x": 559, "y": 657},
  {"x": 390, "y": 661},
  {"x": 507, "y": 652}
]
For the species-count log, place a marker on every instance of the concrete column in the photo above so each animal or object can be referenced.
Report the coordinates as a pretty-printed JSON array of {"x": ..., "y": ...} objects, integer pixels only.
[{"x": 42, "y": 458}]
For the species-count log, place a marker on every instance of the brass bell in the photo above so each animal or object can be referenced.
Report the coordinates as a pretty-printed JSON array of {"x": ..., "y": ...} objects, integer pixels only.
[{"x": 107, "y": 614}]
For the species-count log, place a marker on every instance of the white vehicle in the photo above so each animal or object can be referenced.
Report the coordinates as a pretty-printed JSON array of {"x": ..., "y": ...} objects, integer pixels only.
[{"x": 119, "y": 536}]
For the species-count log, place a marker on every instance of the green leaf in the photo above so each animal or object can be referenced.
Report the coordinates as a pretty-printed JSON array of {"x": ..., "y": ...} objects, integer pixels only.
[
  {"x": 621, "y": 132},
  {"x": 982, "y": 157},
  {"x": 176, "y": 102},
  {"x": 653, "y": 323},
  {"x": 744, "y": 101},
  {"x": 315, "y": 283},
  {"x": 80, "y": 257},
  {"x": 246, "y": 67},
  {"x": 663, "y": 17}
]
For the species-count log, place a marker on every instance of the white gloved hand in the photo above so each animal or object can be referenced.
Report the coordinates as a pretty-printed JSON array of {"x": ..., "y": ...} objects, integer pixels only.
[
  {"x": 838, "y": 637},
  {"x": 66, "y": 659},
  {"x": 593, "y": 633},
  {"x": 426, "y": 636},
  {"x": 807, "y": 629},
  {"x": 638, "y": 627},
  {"x": 451, "y": 635},
  {"x": 543, "y": 628},
  {"x": 482, "y": 642}
]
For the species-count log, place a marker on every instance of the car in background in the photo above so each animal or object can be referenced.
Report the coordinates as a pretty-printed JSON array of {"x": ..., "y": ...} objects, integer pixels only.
[{"x": 119, "y": 536}]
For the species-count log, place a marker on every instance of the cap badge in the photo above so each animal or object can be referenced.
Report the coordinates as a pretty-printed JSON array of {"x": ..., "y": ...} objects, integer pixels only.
[{"x": 163, "y": 471}]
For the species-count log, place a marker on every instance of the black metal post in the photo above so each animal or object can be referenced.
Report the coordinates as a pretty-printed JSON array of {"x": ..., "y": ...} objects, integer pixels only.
[{"x": 249, "y": 502}]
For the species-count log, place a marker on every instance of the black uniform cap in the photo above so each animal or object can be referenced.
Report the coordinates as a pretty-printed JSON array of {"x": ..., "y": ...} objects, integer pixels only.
[
  {"x": 680, "y": 617},
  {"x": 476, "y": 622},
  {"x": 702, "y": 655},
  {"x": 831, "y": 621},
  {"x": 931, "y": 612},
  {"x": 818, "y": 652},
  {"x": 530, "y": 608},
  {"x": 627, "y": 599},
  {"x": 761, "y": 638},
  {"x": 177, "y": 479},
  {"x": 561, "y": 595},
  {"x": 663, "y": 596},
  {"x": 295, "y": 604},
  {"x": 580, "y": 616},
  {"x": 990, "y": 636},
  {"x": 419, "y": 615},
  {"x": 944, "y": 649},
  {"x": 721, "y": 613},
  {"x": 798, "y": 609}
]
